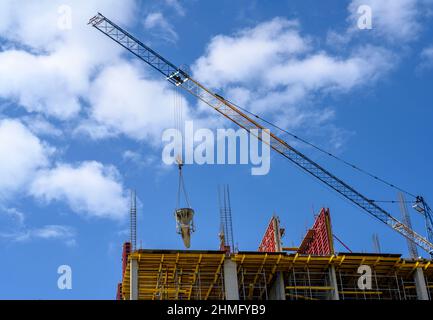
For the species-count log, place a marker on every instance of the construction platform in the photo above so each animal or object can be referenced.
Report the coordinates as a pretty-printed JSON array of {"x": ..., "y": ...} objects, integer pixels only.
[{"x": 218, "y": 275}]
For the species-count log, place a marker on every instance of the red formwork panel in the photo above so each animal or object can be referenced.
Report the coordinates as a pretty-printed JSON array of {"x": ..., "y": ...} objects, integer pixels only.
[
  {"x": 119, "y": 292},
  {"x": 271, "y": 240},
  {"x": 125, "y": 253},
  {"x": 319, "y": 239}
]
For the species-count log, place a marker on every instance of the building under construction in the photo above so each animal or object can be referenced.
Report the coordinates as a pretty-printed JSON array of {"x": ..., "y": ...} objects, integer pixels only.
[{"x": 311, "y": 272}]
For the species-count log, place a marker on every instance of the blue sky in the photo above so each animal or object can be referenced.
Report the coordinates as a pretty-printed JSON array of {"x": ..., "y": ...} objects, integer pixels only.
[{"x": 81, "y": 123}]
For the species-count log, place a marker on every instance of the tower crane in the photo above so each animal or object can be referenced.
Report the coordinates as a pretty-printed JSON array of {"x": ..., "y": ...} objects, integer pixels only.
[{"x": 182, "y": 79}]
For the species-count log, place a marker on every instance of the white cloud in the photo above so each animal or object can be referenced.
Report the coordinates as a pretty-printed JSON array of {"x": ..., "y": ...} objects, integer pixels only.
[
  {"x": 395, "y": 20},
  {"x": 274, "y": 54},
  {"x": 25, "y": 167},
  {"x": 56, "y": 75},
  {"x": 14, "y": 229},
  {"x": 138, "y": 158},
  {"x": 94, "y": 130},
  {"x": 175, "y": 4},
  {"x": 36, "y": 24},
  {"x": 49, "y": 232},
  {"x": 136, "y": 106},
  {"x": 135, "y": 159},
  {"x": 53, "y": 232},
  {"x": 272, "y": 69},
  {"x": 89, "y": 188},
  {"x": 245, "y": 56},
  {"x": 321, "y": 70},
  {"x": 40, "y": 84},
  {"x": 161, "y": 27},
  {"x": 14, "y": 214},
  {"x": 22, "y": 154},
  {"x": 54, "y": 72},
  {"x": 40, "y": 126},
  {"x": 427, "y": 57}
]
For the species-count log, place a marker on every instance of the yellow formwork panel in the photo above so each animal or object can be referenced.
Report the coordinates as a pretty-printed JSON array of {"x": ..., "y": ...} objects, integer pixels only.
[{"x": 174, "y": 275}]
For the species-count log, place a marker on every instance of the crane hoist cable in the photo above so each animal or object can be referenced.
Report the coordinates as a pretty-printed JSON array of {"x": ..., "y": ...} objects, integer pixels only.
[
  {"x": 181, "y": 189},
  {"x": 418, "y": 203},
  {"x": 182, "y": 79},
  {"x": 184, "y": 215},
  {"x": 178, "y": 122},
  {"x": 178, "y": 111},
  {"x": 351, "y": 165}
]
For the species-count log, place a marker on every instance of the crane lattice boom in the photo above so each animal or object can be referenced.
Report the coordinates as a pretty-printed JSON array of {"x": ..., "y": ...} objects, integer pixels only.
[{"x": 181, "y": 79}]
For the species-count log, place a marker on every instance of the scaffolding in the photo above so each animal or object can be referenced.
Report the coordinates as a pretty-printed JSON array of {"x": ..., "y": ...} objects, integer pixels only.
[
  {"x": 307, "y": 284},
  {"x": 383, "y": 287},
  {"x": 199, "y": 275},
  {"x": 185, "y": 285},
  {"x": 176, "y": 275},
  {"x": 252, "y": 285}
]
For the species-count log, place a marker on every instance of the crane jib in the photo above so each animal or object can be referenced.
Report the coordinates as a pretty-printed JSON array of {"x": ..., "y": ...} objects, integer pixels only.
[{"x": 180, "y": 78}]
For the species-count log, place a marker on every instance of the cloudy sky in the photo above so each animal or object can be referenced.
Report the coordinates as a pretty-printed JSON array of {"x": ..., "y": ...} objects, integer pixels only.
[{"x": 81, "y": 123}]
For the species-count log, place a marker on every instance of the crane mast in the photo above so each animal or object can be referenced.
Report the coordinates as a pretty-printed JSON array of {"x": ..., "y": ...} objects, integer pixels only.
[{"x": 180, "y": 78}]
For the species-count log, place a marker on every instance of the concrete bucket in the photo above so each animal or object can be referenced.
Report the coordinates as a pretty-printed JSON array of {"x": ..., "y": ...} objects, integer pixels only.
[{"x": 185, "y": 225}]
